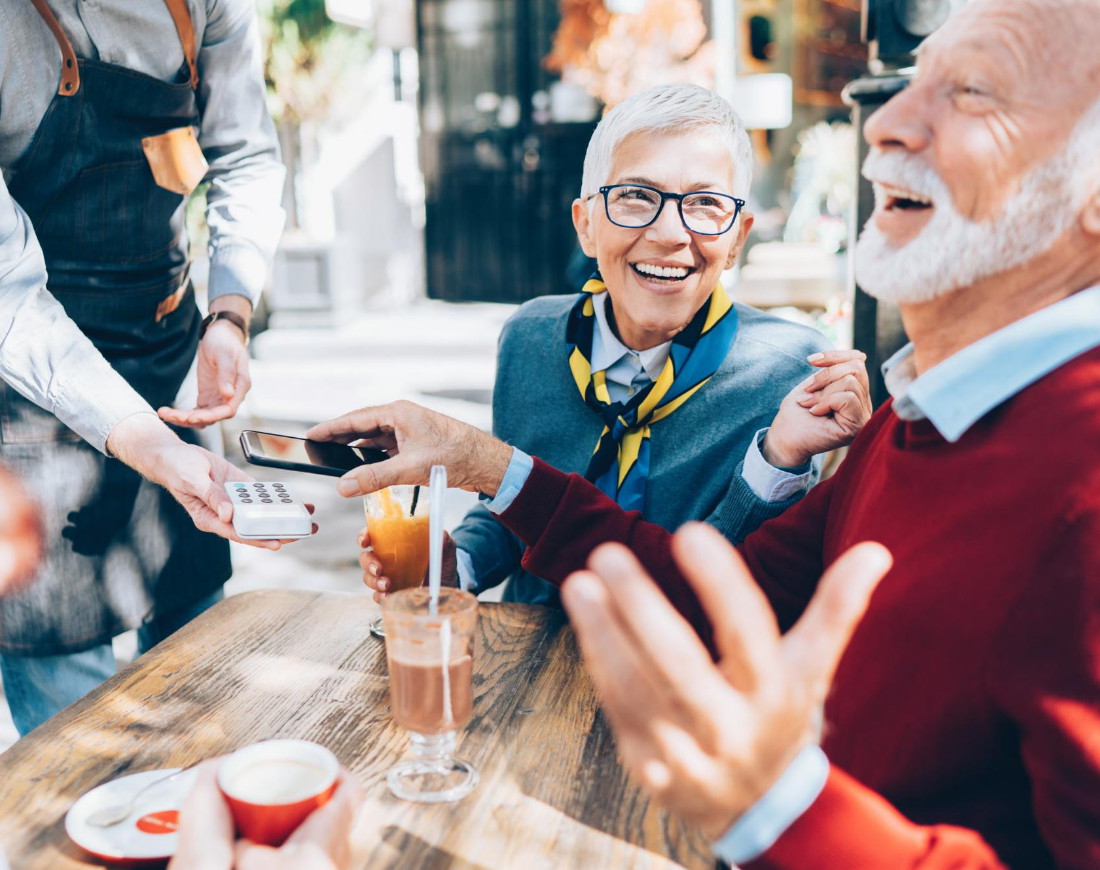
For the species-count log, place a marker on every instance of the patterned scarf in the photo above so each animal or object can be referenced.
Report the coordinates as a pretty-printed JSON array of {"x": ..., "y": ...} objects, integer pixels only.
[{"x": 620, "y": 462}]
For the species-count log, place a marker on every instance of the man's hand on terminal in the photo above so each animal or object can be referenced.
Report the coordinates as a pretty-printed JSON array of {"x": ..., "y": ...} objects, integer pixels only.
[
  {"x": 222, "y": 369},
  {"x": 195, "y": 477},
  {"x": 824, "y": 412},
  {"x": 416, "y": 439},
  {"x": 709, "y": 740}
]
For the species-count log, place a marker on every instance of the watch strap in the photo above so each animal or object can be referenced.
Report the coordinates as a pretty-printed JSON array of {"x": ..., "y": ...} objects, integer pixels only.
[{"x": 236, "y": 319}]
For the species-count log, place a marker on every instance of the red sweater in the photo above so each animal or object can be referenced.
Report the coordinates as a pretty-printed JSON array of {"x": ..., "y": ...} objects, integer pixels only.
[{"x": 964, "y": 720}]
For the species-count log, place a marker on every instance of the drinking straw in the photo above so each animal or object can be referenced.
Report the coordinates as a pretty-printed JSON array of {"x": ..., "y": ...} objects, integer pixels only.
[
  {"x": 438, "y": 492},
  {"x": 416, "y": 498}
]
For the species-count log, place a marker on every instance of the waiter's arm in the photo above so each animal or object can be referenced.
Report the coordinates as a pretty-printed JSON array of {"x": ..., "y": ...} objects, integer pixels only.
[
  {"x": 46, "y": 358},
  {"x": 243, "y": 208},
  {"x": 43, "y": 354}
]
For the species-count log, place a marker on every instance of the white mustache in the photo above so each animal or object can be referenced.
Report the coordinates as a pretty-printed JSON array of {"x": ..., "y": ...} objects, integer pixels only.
[{"x": 896, "y": 169}]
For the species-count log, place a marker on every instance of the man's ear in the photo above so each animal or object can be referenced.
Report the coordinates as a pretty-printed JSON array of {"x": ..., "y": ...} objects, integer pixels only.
[
  {"x": 583, "y": 225},
  {"x": 747, "y": 220},
  {"x": 1090, "y": 215}
]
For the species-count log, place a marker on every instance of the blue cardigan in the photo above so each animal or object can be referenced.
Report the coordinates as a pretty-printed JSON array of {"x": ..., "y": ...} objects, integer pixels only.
[{"x": 696, "y": 452}]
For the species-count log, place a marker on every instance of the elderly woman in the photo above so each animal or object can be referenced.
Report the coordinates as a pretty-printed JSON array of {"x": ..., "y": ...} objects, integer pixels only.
[{"x": 651, "y": 382}]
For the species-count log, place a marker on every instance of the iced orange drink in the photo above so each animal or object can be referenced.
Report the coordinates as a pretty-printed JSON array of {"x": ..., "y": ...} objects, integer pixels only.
[{"x": 397, "y": 522}]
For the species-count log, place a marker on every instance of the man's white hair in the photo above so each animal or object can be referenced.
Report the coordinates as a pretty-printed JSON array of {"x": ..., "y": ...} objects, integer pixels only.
[{"x": 667, "y": 109}]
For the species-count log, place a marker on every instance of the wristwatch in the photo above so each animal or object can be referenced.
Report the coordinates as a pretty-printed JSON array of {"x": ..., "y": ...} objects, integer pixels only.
[{"x": 235, "y": 319}]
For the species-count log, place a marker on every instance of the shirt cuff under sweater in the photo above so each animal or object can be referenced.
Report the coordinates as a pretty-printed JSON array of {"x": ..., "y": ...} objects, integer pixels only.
[
  {"x": 849, "y": 826},
  {"x": 515, "y": 476}
]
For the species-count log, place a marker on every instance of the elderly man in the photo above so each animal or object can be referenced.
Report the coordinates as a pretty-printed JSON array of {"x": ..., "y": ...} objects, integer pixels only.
[
  {"x": 652, "y": 382},
  {"x": 961, "y": 728}
]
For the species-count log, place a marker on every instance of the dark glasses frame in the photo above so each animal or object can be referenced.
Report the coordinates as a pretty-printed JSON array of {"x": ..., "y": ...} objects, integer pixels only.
[{"x": 666, "y": 195}]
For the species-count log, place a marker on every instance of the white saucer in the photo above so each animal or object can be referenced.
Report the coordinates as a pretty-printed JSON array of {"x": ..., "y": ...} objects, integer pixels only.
[{"x": 150, "y": 831}]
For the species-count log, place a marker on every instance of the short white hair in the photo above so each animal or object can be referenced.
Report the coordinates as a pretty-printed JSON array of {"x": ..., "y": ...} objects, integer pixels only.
[{"x": 667, "y": 109}]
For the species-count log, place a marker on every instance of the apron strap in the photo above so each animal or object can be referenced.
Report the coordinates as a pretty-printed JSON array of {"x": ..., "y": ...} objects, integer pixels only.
[
  {"x": 185, "y": 27},
  {"x": 70, "y": 69}
]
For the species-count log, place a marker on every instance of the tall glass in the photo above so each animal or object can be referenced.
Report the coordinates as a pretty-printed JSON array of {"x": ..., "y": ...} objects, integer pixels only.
[
  {"x": 430, "y": 659},
  {"x": 397, "y": 522}
]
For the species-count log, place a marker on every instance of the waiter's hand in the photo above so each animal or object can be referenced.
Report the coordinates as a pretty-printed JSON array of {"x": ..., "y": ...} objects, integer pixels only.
[
  {"x": 416, "y": 439},
  {"x": 20, "y": 533},
  {"x": 824, "y": 412},
  {"x": 195, "y": 477},
  {"x": 222, "y": 369},
  {"x": 708, "y": 740},
  {"x": 322, "y": 842}
]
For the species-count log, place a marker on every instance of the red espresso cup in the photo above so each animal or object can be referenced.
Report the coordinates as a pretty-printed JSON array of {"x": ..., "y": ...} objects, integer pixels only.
[{"x": 272, "y": 786}]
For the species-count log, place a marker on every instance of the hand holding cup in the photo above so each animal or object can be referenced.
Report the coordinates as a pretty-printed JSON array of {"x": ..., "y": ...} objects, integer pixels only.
[{"x": 208, "y": 840}]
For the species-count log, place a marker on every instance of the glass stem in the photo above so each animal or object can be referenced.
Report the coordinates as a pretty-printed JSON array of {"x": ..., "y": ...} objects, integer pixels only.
[{"x": 434, "y": 749}]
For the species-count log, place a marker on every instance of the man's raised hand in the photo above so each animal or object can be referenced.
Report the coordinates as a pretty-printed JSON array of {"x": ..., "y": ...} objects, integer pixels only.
[{"x": 708, "y": 740}]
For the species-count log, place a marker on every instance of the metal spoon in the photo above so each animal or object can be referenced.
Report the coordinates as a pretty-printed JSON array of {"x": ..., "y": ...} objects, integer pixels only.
[{"x": 105, "y": 817}]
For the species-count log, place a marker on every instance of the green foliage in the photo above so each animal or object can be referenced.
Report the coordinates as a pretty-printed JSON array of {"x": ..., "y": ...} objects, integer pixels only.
[{"x": 310, "y": 61}]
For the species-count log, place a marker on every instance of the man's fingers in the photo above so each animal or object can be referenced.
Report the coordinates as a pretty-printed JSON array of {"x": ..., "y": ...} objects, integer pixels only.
[
  {"x": 622, "y": 682},
  {"x": 384, "y": 441},
  {"x": 814, "y": 646},
  {"x": 362, "y": 423},
  {"x": 399, "y": 469},
  {"x": 663, "y": 647},
  {"x": 745, "y": 630},
  {"x": 663, "y": 640}
]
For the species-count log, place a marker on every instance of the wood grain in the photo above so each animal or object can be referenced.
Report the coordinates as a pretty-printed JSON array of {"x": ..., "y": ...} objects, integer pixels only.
[{"x": 302, "y": 664}]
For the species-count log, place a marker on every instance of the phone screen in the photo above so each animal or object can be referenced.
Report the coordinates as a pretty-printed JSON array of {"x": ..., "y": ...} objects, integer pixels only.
[{"x": 287, "y": 452}]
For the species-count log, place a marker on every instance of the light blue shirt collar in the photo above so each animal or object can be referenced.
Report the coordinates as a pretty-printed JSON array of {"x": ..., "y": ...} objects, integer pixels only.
[
  {"x": 962, "y": 389},
  {"x": 607, "y": 350}
]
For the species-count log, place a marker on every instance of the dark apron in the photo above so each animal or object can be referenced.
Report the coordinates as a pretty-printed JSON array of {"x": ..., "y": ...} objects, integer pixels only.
[{"x": 119, "y": 549}]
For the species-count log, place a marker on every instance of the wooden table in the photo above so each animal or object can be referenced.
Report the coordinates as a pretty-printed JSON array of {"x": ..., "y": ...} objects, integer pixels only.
[{"x": 302, "y": 664}]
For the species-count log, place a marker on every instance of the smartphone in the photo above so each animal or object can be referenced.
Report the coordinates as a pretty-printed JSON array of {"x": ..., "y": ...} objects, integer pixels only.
[{"x": 301, "y": 454}]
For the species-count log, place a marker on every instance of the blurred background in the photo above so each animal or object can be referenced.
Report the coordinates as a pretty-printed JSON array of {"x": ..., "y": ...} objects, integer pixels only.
[{"x": 435, "y": 146}]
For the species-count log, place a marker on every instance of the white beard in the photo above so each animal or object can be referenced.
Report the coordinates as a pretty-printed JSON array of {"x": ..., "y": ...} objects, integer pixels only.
[{"x": 951, "y": 251}]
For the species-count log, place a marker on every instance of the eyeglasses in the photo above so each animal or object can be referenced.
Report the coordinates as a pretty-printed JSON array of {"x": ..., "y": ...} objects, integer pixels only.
[{"x": 703, "y": 212}]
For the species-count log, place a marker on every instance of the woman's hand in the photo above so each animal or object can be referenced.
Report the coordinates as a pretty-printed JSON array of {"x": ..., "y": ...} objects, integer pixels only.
[
  {"x": 374, "y": 577},
  {"x": 824, "y": 412}
]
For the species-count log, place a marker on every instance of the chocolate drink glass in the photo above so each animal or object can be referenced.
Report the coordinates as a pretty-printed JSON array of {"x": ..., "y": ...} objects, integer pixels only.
[
  {"x": 397, "y": 522},
  {"x": 430, "y": 659}
]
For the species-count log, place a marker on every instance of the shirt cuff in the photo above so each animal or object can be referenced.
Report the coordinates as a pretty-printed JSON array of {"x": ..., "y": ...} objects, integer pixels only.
[
  {"x": 766, "y": 481},
  {"x": 519, "y": 469},
  {"x": 237, "y": 269},
  {"x": 779, "y": 808},
  {"x": 467, "y": 580}
]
